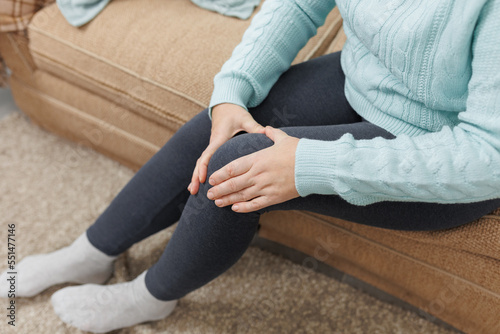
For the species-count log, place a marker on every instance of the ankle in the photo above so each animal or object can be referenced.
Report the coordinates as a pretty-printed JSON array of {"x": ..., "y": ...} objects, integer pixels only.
[
  {"x": 143, "y": 296},
  {"x": 89, "y": 252}
]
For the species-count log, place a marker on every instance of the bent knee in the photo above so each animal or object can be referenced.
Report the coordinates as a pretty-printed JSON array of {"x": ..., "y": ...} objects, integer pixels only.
[{"x": 237, "y": 147}]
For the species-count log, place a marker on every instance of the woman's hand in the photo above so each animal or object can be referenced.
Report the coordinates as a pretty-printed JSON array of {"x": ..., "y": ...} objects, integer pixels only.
[
  {"x": 227, "y": 120},
  {"x": 260, "y": 179}
]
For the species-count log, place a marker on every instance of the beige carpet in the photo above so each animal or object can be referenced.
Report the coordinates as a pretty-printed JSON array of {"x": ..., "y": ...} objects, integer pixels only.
[{"x": 53, "y": 190}]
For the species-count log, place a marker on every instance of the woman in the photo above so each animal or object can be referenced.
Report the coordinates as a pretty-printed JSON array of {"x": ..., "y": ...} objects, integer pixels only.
[{"x": 409, "y": 139}]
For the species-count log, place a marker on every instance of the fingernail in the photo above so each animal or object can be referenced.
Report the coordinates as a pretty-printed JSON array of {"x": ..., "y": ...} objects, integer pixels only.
[
  {"x": 210, "y": 195},
  {"x": 235, "y": 208},
  {"x": 218, "y": 202},
  {"x": 211, "y": 181}
]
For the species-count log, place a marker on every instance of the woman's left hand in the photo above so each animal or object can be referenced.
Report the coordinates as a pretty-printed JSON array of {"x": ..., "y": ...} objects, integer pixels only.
[{"x": 260, "y": 179}]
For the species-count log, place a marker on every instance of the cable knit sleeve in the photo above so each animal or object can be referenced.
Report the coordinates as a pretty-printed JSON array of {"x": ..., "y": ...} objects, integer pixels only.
[
  {"x": 455, "y": 165},
  {"x": 275, "y": 36}
]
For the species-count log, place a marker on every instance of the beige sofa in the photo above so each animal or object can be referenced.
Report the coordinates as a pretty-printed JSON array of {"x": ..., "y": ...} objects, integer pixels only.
[{"x": 124, "y": 83}]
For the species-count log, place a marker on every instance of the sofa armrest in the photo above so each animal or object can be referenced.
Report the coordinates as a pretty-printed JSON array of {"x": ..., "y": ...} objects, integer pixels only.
[{"x": 16, "y": 14}]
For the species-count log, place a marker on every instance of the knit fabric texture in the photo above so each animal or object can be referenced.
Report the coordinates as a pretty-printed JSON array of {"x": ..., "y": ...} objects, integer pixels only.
[{"x": 427, "y": 71}]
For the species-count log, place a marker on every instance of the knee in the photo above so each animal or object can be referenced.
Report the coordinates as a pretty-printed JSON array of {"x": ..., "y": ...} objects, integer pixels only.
[
  {"x": 233, "y": 149},
  {"x": 237, "y": 147}
]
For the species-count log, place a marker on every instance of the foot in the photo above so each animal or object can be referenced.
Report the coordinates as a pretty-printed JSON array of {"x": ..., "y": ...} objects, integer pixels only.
[
  {"x": 103, "y": 308},
  {"x": 80, "y": 263}
]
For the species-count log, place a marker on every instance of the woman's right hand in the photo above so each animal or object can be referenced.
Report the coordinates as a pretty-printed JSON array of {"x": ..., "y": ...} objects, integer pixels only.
[{"x": 227, "y": 120}]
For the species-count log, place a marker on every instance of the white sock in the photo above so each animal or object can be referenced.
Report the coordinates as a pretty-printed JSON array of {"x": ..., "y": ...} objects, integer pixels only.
[
  {"x": 80, "y": 262},
  {"x": 103, "y": 308}
]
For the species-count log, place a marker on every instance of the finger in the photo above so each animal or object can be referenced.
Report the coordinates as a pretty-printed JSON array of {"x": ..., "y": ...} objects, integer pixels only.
[
  {"x": 275, "y": 134},
  {"x": 206, "y": 156},
  {"x": 195, "y": 184},
  {"x": 241, "y": 196},
  {"x": 203, "y": 165},
  {"x": 251, "y": 206},
  {"x": 253, "y": 127},
  {"x": 232, "y": 169},
  {"x": 230, "y": 186}
]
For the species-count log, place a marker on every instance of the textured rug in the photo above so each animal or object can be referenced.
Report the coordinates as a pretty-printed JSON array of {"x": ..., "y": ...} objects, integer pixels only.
[{"x": 52, "y": 190}]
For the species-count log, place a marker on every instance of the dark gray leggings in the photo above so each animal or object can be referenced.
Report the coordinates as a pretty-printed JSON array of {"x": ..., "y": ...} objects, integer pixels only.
[{"x": 307, "y": 102}]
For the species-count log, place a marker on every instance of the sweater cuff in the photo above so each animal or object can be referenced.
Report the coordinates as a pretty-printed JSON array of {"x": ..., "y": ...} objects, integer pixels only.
[
  {"x": 230, "y": 90},
  {"x": 315, "y": 167}
]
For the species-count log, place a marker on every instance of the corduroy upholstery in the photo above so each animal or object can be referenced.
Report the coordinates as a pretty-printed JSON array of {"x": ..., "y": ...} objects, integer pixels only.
[{"x": 127, "y": 81}]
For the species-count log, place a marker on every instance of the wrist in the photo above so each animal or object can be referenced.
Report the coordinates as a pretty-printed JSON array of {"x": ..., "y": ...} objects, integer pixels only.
[{"x": 227, "y": 109}]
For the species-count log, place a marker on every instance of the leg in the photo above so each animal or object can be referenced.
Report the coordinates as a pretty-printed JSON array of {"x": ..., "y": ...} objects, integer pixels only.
[
  {"x": 154, "y": 198},
  {"x": 151, "y": 201},
  {"x": 209, "y": 239}
]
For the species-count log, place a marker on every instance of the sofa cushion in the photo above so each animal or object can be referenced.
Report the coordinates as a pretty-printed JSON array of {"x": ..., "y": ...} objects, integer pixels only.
[{"x": 155, "y": 57}]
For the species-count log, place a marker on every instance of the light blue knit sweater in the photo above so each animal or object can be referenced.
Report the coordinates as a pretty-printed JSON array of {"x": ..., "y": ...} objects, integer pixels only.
[{"x": 427, "y": 71}]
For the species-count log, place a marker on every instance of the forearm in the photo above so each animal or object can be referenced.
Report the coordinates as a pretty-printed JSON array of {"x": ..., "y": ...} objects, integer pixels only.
[{"x": 445, "y": 167}]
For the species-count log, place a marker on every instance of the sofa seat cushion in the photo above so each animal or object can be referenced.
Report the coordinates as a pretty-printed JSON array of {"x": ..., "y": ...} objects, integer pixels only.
[{"x": 156, "y": 57}]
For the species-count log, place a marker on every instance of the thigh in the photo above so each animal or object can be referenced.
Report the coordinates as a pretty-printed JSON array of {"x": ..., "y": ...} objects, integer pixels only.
[
  {"x": 308, "y": 94},
  {"x": 408, "y": 216},
  {"x": 391, "y": 215}
]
